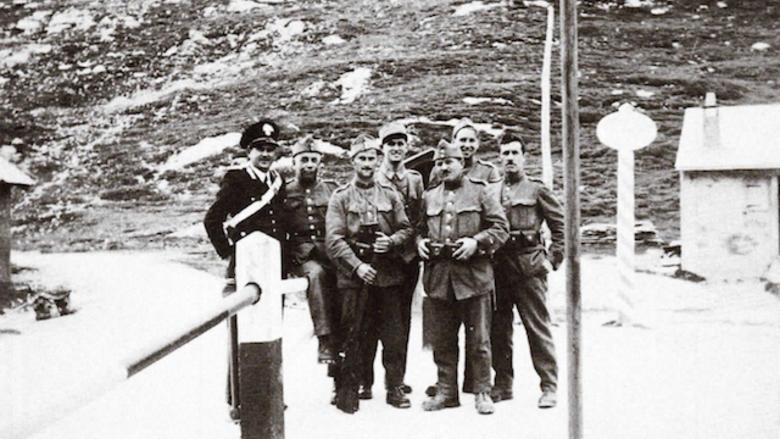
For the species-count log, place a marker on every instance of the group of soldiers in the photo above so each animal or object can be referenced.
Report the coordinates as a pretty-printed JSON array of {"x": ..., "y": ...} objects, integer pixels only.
[{"x": 476, "y": 228}]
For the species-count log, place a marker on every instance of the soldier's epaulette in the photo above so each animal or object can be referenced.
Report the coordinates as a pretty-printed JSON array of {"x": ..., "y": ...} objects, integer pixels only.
[
  {"x": 486, "y": 163},
  {"x": 536, "y": 180},
  {"x": 341, "y": 188},
  {"x": 477, "y": 180},
  {"x": 432, "y": 187},
  {"x": 290, "y": 181}
]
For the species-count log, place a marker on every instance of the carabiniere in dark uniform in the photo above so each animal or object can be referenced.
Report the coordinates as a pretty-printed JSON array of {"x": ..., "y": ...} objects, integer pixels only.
[{"x": 249, "y": 200}]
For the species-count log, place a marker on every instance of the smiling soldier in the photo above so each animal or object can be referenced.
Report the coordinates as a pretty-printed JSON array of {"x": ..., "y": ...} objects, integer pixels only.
[
  {"x": 409, "y": 184},
  {"x": 366, "y": 230}
]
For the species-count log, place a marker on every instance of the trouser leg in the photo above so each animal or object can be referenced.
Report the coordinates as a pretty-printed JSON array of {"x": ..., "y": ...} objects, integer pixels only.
[
  {"x": 501, "y": 336},
  {"x": 411, "y": 276},
  {"x": 347, "y": 379},
  {"x": 531, "y": 299},
  {"x": 445, "y": 323},
  {"x": 476, "y": 314},
  {"x": 390, "y": 302},
  {"x": 320, "y": 295}
]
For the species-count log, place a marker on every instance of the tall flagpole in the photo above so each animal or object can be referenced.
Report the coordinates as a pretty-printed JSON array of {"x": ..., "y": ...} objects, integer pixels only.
[{"x": 571, "y": 159}]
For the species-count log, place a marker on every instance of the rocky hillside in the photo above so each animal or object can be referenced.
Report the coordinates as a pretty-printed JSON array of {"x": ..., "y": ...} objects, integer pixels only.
[{"x": 126, "y": 111}]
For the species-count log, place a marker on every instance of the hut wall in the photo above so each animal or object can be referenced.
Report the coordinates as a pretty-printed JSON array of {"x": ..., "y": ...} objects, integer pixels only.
[{"x": 728, "y": 223}]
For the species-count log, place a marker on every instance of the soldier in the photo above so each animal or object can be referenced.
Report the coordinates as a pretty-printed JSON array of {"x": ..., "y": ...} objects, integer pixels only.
[
  {"x": 305, "y": 207},
  {"x": 461, "y": 224},
  {"x": 466, "y": 136},
  {"x": 522, "y": 280},
  {"x": 251, "y": 196},
  {"x": 366, "y": 230},
  {"x": 409, "y": 184}
]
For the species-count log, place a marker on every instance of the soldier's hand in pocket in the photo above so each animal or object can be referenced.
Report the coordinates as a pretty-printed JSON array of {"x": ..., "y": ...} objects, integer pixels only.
[
  {"x": 366, "y": 273},
  {"x": 468, "y": 246}
]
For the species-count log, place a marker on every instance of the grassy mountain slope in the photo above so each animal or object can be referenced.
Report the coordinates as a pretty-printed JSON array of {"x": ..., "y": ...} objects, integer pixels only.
[{"x": 110, "y": 90}]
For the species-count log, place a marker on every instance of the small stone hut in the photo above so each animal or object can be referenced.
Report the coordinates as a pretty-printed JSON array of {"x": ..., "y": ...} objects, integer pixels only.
[
  {"x": 10, "y": 176},
  {"x": 729, "y": 163}
]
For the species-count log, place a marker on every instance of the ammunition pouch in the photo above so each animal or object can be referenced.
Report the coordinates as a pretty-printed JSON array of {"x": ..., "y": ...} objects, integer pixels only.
[
  {"x": 521, "y": 240},
  {"x": 444, "y": 250}
]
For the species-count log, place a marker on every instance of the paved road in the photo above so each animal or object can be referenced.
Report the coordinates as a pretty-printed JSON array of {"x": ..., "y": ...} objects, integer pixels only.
[{"x": 707, "y": 367}]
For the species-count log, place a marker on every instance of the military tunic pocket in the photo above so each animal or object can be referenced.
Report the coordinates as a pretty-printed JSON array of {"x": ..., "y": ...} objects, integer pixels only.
[
  {"x": 524, "y": 214},
  {"x": 532, "y": 262}
]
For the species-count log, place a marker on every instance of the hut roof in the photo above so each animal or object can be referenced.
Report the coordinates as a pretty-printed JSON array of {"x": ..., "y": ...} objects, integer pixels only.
[
  {"x": 10, "y": 174},
  {"x": 749, "y": 139}
]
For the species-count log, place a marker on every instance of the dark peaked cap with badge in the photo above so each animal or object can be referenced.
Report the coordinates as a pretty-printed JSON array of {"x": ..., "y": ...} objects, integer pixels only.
[
  {"x": 307, "y": 144},
  {"x": 362, "y": 143},
  {"x": 264, "y": 132}
]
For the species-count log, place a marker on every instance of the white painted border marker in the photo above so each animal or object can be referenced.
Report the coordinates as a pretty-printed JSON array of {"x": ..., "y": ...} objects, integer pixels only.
[{"x": 626, "y": 130}]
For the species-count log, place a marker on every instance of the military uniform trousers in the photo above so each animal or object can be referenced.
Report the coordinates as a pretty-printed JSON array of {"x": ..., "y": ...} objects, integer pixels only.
[
  {"x": 446, "y": 317},
  {"x": 411, "y": 274},
  {"x": 363, "y": 310},
  {"x": 321, "y": 295},
  {"x": 529, "y": 295}
]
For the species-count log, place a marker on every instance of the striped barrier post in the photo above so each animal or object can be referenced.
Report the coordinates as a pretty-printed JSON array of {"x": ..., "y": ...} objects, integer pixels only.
[
  {"x": 626, "y": 130},
  {"x": 260, "y": 351}
]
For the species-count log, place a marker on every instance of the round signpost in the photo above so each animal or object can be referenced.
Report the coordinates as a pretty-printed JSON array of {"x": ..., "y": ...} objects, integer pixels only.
[{"x": 625, "y": 130}]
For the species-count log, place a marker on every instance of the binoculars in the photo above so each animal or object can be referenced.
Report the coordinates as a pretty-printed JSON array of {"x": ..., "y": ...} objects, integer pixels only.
[
  {"x": 363, "y": 245},
  {"x": 442, "y": 250}
]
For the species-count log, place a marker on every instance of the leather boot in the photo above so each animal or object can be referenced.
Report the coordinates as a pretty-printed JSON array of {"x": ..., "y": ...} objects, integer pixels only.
[
  {"x": 439, "y": 402},
  {"x": 484, "y": 404}
]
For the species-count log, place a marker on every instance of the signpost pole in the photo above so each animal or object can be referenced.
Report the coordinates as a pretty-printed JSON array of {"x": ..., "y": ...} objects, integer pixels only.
[{"x": 571, "y": 159}]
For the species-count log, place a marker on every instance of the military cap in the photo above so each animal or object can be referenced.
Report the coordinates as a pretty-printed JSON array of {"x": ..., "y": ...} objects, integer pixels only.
[
  {"x": 307, "y": 144},
  {"x": 446, "y": 150},
  {"x": 362, "y": 143},
  {"x": 461, "y": 124},
  {"x": 392, "y": 129},
  {"x": 262, "y": 132}
]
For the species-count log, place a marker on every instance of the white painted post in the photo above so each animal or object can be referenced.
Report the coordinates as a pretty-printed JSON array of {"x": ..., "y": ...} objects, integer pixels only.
[
  {"x": 626, "y": 130},
  {"x": 547, "y": 169}
]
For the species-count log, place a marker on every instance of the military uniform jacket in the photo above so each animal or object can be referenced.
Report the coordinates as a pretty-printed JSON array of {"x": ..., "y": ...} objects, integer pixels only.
[
  {"x": 304, "y": 215},
  {"x": 480, "y": 170},
  {"x": 239, "y": 188},
  {"x": 409, "y": 184},
  {"x": 349, "y": 207},
  {"x": 468, "y": 210},
  {"x": 527, "y": 204}
]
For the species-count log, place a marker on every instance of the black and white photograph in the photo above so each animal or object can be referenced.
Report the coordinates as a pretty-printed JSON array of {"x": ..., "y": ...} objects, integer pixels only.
[{"x": 434, "y": 219}]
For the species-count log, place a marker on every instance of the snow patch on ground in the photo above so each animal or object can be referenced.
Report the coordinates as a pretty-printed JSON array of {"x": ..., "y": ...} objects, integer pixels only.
[
  {"x": 333, "y": 40},
  {"x": 353, "y": 84},
  {"x": 11, "y": 58},
  {"x": 144, "y": 97},
  {"x": 77, "y": 19},
  {"x": 470, "y": 8},
  {"x": 205, "y": 148},
  {"x": 243, "y": 6},
  {"x": 477, "y": 101},
  {"x": 34, "y": 22}
]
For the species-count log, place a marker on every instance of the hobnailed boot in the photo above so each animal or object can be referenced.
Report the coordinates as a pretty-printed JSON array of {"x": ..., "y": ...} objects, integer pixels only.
[
  {"x": 397, "y": 398},
  {"x": 484, "y": 404},
  {"x": 326, "y": 354},
  {"x": 548, "y": 399},
  {"x": 439, "y": 402},
  {"x": 499, "y": 394}
]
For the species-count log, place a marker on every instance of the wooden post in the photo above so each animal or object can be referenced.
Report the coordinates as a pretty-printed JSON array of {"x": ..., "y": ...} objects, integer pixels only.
[
  {"x": 5, "y": 243},
  {"x": 547, "y": 169},
  {"x": 571, "y": 159}
]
